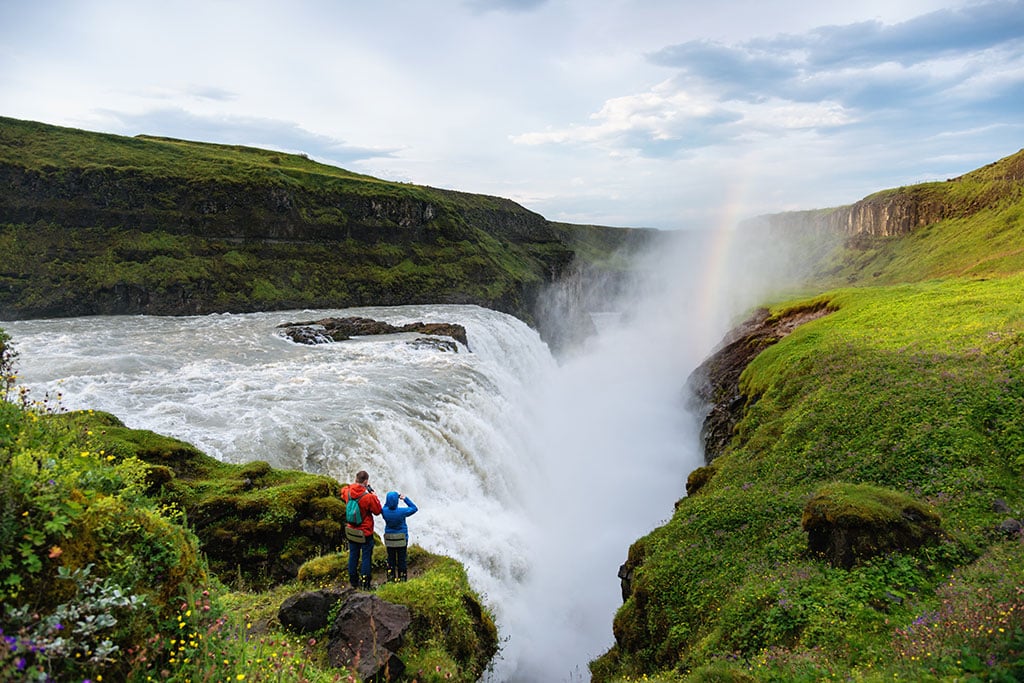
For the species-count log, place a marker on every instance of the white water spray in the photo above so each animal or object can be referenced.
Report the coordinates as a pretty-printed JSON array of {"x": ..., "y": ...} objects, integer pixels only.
[{"x": 521, "y": 466}]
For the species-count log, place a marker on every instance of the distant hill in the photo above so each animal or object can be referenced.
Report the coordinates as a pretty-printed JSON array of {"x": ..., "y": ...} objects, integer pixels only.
[
  {"x": 92, "y": 223},
  {"x": 971, "y": 225}
]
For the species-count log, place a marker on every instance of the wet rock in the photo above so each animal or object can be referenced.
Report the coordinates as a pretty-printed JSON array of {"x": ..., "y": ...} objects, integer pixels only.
[
  {"x": 444, "y": 345},
  {"x": 715, "y": 384},
  {"x": 339, "y": 329}
]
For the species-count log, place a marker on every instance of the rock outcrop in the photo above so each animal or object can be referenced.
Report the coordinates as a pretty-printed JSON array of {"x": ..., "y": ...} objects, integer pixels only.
[
  {"x": 900, "y": 211},
  {"x": 365, "y": 635},
  {"x": 850, "y": 523},
  {"x": 715, "y": 384},
  {"x": 328, "y": 330}
]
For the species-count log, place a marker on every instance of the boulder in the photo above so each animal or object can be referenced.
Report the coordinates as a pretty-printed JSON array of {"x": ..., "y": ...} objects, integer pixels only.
[
  {"x": 366, "y": 634},
  {"x": 847, "y": 523},
  {"x": 697, "y": 478},
  {"x": 310, "y": 611},
  {"x": 1011, "y": 528}
]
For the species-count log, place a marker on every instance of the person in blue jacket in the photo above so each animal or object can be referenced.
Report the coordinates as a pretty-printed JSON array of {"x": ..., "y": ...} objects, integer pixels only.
[{"x": 396, "y": 534}]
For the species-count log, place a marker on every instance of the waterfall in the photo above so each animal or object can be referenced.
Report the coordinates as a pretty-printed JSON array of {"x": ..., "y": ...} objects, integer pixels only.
[{"x": 536, "y": 474}]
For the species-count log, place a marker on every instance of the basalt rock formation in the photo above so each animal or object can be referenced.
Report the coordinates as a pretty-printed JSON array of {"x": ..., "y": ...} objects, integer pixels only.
[
  {"x": 899, "y": 211},
  {"x": 715, "y": 384},
  {"x": 340, "y": 329}
]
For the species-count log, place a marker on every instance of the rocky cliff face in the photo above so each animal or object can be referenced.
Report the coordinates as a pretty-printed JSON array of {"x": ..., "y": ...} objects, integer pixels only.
[
  {"x": 898, "y": 212},
  {"x": 715, "y": 384},
  {"x": 103, "y": 224},
  {"x": 877, "y": 216}
]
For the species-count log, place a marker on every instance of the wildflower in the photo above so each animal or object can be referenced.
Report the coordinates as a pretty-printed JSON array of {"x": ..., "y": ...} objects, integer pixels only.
[{"x": 55, "y": 552}]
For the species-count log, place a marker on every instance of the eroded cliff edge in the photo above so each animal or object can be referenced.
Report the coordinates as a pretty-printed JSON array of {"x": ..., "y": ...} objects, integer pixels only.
[{"x": 715, "y": 384}]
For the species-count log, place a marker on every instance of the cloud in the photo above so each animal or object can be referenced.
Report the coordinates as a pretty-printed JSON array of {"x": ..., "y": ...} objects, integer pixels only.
[
  {"x": 793, "y": 65},
  {"x": 210, "y": 92},
  {"x": 654, "y": 123},
  {"x": 504, "y": 5},
  {"x": 242, "y": 130},
  {"x": 936, "y": 67}
]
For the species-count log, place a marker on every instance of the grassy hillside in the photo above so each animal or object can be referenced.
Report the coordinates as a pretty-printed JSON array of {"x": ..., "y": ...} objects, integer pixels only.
[
  {"x": 95, "y": 223},
  {"x": 907, "y": 396}
]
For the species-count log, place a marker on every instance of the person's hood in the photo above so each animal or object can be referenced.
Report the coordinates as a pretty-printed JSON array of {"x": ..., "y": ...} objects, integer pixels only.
[
  {"x": 392, "y": 500},
  {"x": 356, "y": 490}
]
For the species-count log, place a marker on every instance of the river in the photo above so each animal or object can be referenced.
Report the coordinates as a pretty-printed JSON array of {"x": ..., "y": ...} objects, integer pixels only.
[{"x": 536, "y": 474}]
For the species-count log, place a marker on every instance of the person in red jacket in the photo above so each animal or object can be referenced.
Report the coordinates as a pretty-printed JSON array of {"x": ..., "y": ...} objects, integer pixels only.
[{"x": 360, "y": 537}]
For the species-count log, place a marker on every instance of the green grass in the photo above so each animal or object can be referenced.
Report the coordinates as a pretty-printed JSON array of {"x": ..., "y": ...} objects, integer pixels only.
[
  {"x": 914, "y": 388},
  {"x": 96, "y": 223}
]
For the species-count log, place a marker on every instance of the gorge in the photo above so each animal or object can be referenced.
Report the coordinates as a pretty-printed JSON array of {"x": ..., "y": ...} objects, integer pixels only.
[{"x": 886, "y": 358}]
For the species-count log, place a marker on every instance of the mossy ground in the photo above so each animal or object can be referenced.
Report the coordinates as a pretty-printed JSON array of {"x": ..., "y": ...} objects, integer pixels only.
[
  {"x": 153, "y": 520},
  {"x": 914, "y": 388},
  {"x": 93, "y": 223}
]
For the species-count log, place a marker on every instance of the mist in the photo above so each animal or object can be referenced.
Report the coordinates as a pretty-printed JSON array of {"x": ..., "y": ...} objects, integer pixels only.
[{"x": 615, "y": 432}]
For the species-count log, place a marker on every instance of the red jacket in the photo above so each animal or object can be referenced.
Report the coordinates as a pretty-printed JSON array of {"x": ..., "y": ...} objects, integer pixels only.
[{"x": 369, "y": 505}]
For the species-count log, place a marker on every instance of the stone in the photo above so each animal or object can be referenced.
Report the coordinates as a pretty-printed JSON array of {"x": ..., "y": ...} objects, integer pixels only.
[
  {"x": 366, "y": 634},
  {"x": 309, "y": 611},
  {"x": 849, "y": 523},
  {"x": 327, "y": 330},
  {"x": 1011, "y": 527}
]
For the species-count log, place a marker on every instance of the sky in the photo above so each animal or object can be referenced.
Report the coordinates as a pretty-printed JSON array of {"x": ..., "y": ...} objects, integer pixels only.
[{"x": 634, "y": 113}]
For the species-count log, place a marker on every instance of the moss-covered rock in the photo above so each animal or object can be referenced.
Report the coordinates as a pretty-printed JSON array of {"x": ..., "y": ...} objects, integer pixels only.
[
  {"x": 255, "y": 523},
  {"x": 696, "y": 480},
  {"x": 847, "y": 523}
]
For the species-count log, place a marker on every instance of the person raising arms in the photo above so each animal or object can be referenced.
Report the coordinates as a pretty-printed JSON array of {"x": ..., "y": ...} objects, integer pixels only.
[{"x": 396, "y": 534}]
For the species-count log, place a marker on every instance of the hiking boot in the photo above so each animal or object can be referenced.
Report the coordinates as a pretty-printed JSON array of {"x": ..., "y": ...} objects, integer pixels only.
[
  {"x": 353, "y": 579},
  {"x": 365, "y": 585}
]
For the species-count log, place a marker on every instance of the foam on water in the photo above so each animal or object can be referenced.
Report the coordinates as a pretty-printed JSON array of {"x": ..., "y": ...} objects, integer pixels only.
[{"x": 517, "y": 463}]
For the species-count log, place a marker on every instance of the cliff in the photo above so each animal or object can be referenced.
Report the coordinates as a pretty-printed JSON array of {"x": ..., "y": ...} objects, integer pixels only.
[
  {"x": 103, "y": 224},
  {"x": 900, "y": 211},
  {"x": 859, "y": 514}
]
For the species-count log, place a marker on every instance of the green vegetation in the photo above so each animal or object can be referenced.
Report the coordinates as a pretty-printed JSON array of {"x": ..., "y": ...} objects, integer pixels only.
[
  {"x": 133, "y": 556},
  {"x": 93, "y": 223},
  {"x": 981, "y": 235},
  {"x": 904, "y": 403}
]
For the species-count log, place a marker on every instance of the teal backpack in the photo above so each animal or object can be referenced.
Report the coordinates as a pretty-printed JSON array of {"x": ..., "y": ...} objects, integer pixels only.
[{"x": 353, "y": 515}]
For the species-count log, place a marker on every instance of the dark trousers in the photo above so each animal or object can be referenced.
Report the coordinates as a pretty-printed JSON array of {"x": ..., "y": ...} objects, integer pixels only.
[
  {"x": 397, "y": 559},
  {"x": 354, "y": 551}
]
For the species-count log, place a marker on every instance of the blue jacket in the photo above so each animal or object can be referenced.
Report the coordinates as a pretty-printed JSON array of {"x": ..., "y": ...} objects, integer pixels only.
[{"x": 394, "y": 516}]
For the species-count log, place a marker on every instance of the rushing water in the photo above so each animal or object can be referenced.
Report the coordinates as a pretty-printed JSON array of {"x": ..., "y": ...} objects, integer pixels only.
[
  {"x": 519, "y": 464},
  {"x": 537, "y": 475}
]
